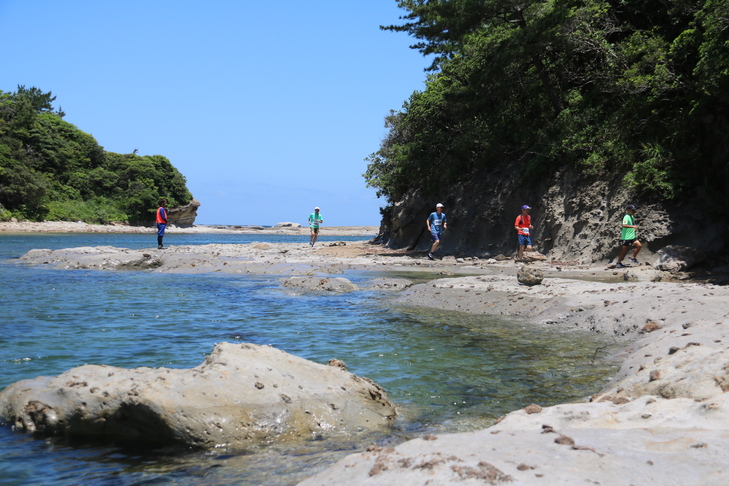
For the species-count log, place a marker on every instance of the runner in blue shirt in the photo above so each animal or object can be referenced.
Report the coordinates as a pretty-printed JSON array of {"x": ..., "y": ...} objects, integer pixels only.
[{"x": 436, "y": 222}]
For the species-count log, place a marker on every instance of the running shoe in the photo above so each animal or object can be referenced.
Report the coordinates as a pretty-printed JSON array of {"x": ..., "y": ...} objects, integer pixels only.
[
  {"x": 430, "y": 256},
  {"x": 619, "y": 265},
  {"x": 634, "y": 261}
]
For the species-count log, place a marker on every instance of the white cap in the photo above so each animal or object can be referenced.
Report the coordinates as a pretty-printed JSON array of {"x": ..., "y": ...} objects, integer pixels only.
[
  {"x": 439, "y": 205},
  {"x": 316, "y": 208}
]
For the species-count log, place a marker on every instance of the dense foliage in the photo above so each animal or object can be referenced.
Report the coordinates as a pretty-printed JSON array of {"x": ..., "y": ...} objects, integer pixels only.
[
  {"x": 631, "y": 89},
  {"x": 51, "y": 170}
]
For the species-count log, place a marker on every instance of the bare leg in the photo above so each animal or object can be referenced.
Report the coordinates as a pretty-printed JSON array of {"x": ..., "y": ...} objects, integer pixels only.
[
  {"x": 637, "y": 246},
  {"x": 623, "y": 252}
]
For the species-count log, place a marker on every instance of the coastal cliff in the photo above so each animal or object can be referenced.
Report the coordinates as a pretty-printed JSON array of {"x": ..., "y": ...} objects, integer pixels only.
[
  {"x": 574, "y": 218},
  {"x": 574, "y": 111}
]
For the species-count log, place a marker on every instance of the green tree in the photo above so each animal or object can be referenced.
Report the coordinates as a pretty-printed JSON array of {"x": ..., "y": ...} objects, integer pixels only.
[
  {"x": 51, "y": 169},
  {"x": 629, "y": 91}
]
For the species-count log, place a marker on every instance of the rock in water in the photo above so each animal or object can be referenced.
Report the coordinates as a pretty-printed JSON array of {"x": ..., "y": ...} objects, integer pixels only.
[
  {"x": 320, "y": 284},
  {"x": 241, "y": 396},
  {"x": 184, "y": 215},
  {"x": 529, "y": 275}
]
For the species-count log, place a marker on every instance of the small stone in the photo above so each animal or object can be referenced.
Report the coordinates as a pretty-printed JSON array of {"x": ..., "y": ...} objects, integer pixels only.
[
  {"x": 651, "y": 326},
  {"x": 533, "y": 408},
  {"x": 337, "y": 363},
  {"x": 564, "y": 440}
]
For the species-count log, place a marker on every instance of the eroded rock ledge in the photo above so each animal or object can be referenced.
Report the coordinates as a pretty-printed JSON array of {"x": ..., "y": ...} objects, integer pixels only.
[
  {"x": 241, "y": 396},
  {"x": 663, "y": 420}
]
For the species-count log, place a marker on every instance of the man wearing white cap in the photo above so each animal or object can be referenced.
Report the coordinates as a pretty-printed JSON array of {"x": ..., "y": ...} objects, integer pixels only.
[
  {"x": 436, "y": 223},
  {"x": 314, "y": 220}
]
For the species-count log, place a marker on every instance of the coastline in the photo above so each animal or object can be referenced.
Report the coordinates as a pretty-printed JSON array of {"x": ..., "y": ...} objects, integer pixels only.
[
  {"x": 81, "y": 227},
  {"x": 662, "y": 419}
]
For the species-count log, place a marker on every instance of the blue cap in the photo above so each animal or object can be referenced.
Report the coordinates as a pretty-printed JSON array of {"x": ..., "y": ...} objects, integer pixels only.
[{"x": 525, "y": 207}]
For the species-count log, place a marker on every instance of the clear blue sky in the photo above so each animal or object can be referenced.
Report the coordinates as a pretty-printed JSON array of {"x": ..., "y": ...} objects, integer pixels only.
[{"x": 268, "y": 108}]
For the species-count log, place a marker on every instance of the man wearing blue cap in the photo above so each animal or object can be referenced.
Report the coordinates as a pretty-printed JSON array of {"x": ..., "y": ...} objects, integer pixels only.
[{"x": 523, "y": 226}]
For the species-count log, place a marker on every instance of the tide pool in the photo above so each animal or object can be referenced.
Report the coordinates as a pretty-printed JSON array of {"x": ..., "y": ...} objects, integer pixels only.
[{"x": 447, "y": 371}]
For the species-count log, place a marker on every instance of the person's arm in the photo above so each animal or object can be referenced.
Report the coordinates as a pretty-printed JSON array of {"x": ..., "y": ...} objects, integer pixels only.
[
  {"x": 163, "y": 213},
  {"x": 626, "y": 225},
  {"x": 427, "y": 223}
]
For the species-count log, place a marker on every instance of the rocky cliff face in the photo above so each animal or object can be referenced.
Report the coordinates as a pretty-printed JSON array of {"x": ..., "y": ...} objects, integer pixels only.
[
  {"x": 184, "y": 215},
  {"x": 573, "y": 218}
]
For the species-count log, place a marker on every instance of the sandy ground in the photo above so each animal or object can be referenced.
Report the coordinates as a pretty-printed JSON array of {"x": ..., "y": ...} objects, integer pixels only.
[{"x": 664, "y": 418}]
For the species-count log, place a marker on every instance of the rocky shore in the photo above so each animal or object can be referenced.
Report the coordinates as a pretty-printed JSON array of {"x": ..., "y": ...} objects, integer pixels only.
[
  {"x": 242, "y": 396},
  {"x": 662, "y": 419}
]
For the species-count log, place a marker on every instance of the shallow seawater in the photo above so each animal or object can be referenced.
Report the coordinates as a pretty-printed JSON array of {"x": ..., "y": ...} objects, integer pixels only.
[{"x": 447, "y": 371}]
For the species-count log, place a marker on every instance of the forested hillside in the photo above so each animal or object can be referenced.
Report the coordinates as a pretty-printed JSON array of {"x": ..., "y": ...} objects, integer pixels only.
[
  {"x": 51, "y": 170},
  {"x": 634, "y": 94}
]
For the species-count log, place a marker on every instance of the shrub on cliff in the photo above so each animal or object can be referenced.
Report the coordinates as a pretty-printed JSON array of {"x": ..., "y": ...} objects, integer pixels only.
[{"x": 631, "y": 91}]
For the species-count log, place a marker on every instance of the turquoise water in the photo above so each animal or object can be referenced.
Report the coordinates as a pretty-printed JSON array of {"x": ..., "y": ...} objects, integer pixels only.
[{"x": 447, "y": 371}]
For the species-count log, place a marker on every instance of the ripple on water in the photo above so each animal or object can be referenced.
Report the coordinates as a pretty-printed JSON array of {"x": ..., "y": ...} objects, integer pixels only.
[{"x": 448, "y": 371}]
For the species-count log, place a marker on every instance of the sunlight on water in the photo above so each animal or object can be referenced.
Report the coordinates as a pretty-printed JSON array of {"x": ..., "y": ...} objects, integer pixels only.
[{"x": 447, "y": 371}]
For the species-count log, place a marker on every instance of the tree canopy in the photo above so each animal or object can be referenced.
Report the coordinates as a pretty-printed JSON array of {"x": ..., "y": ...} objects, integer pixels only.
[
  {"x": 49, "y": 169},
  {"x": 631, "y": 90}
]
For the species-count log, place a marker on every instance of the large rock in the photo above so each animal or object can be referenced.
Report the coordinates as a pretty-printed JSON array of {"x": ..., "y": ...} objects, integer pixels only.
[
  {"x": 241, "y": 396},
  {"x": 532, "y": 257},
  {"x": 320, "y": 284},
  {"x": 529, "y": 275},
  {"x": 184, "y": 215},
  {"x": 676, "y": 258}
]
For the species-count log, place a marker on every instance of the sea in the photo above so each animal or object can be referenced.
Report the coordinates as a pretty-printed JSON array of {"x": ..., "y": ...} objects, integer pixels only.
[{"x": 448, "y": 372}]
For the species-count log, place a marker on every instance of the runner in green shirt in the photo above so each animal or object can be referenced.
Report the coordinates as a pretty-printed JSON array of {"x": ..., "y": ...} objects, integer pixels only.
[
  {"x": 314, "y": 220},
  {"x": 628, "y": 239}
]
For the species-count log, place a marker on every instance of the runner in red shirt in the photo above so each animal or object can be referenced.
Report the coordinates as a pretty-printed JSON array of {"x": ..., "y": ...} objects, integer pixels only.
[
  {"x": 523, "y": 226},
  {"x": 161, "y": 221}
]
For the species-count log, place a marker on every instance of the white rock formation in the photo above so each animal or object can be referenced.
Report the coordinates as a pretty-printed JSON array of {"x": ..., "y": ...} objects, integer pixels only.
[{"x": 241, "y": 396}]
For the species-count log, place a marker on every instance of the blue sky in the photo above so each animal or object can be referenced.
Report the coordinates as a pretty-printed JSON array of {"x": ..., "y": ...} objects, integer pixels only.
[{"x": 268, "y": 108}]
